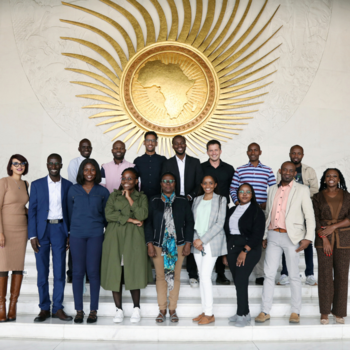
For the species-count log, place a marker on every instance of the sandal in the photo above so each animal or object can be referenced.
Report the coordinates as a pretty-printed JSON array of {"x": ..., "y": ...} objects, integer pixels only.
[
  {"x": 92, "y": 317},
  {"x": 161, "y": 317},
  {"x": 174, "y": 318},
  {"x": 79, "y": 318}
]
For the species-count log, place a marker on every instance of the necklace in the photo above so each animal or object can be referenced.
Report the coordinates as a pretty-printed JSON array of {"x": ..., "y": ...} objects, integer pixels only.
[{"x": 17, "y": 184}]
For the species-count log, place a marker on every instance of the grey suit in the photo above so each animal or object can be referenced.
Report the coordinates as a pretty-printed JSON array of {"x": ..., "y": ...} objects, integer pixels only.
[{"x": 215, "y": 234}]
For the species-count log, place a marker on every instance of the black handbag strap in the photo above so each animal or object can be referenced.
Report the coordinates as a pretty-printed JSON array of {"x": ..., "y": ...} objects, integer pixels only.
[{"x": 25, "y": 182}]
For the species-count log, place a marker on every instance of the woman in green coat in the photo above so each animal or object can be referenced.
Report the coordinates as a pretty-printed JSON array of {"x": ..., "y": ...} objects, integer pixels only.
[{"x": 124, "y": 254}]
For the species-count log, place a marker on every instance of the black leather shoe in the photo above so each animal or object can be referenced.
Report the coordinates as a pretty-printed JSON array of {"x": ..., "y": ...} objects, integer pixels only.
[
  {"x": 92, "y": 317},
  {"x": 62, "y": 315},
  {"x": 69, "y": 279},
  {"x": 259, "y": 281},
  {"x": 43, "y": 315},
  {"x": 79, "y": 318},
  {"x": 222, "y": 279}
]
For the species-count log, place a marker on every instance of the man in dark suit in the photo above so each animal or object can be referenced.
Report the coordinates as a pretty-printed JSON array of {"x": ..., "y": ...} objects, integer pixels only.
[
  {"x": 48, "y": 226},
  {"x": 188, "y": 173}
]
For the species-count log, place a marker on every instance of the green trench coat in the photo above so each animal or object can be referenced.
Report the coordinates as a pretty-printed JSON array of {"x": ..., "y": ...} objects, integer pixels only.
[{"x": 125, "y": 239}]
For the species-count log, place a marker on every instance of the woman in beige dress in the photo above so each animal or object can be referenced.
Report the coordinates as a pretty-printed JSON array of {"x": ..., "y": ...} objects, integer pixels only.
[{"x": 13, "y": 232}]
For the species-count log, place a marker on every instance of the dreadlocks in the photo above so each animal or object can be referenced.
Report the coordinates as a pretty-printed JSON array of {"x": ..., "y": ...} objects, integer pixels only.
[{"x": 341, "y": 185}]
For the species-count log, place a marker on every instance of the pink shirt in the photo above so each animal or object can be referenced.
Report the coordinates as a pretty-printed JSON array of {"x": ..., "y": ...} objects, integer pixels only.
[
  {"x": 279, "y": 208},
  {"x": 112, "y": 174}
]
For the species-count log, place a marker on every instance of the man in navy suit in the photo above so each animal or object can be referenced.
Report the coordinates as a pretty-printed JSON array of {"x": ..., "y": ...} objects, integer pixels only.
[{"x": 48, "y": 226}]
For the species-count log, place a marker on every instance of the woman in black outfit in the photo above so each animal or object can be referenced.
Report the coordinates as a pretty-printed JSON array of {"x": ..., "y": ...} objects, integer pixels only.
[{"x": 244, "y": 228}]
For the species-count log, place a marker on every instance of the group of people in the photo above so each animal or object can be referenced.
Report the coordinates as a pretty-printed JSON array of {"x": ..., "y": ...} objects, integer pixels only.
[{"x": 118, "y": 218}]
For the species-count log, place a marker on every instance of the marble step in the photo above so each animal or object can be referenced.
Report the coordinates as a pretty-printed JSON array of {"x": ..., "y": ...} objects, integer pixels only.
[
  {"x": 277, "y": 329},
  {"x": 187, "y": 307},
  {"x": 29, "y": 287}
]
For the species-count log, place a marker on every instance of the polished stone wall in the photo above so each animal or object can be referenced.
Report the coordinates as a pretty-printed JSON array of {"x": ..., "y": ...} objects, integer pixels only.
[{"x": 306, "y": 104}]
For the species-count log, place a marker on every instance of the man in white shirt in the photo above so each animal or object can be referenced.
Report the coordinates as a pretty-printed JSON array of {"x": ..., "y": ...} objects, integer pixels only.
[
  {"x": 48, "y": 228},
  {"x": 85, "y": 150}
]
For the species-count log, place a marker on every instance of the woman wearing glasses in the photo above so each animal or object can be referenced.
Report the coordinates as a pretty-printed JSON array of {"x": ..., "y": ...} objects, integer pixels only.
[
  {"x": 13, "y": 232},
  {"x": 124, "y": 256},
  {"x": 209, "y": 211},
  {"x": 169, "y": 234},
  {"x": 244, "y": 228},
  {"x": 86, "y": 209}
]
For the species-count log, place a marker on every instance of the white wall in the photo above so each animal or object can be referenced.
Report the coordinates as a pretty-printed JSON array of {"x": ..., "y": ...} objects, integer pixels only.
[{"x": 307, "y": 104}]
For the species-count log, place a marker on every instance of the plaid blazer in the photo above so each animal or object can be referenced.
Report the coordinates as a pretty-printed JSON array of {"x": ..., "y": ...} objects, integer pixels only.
[{"x": 215, "y": 234}]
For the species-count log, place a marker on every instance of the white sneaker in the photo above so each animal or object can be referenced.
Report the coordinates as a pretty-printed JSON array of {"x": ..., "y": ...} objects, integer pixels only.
[
  {"x": 119, "y": 316},
  {"x": 194, "y": 283},
  {"x": 136, "y": 315},
  {"x": 235, "y": 317},
  {"x": 311, "y": 280},
  {"x": 283, "y": 280}
]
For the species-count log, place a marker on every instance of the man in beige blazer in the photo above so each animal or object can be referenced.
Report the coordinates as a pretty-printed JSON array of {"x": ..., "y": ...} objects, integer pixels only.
[{"x": 288, "y": 206}]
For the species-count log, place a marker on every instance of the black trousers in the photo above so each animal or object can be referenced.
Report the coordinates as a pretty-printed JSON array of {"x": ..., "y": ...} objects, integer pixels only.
[
  {"x": 241, "y": 274},
  {"x": 191, "y": 267}
]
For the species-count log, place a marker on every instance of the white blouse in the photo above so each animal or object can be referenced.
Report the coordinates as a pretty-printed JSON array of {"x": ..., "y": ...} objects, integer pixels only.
[{"x": 233, "y": 223}]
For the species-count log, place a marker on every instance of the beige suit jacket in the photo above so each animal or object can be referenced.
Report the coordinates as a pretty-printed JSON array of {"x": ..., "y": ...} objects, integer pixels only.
[{"x": 299, "y": 210}]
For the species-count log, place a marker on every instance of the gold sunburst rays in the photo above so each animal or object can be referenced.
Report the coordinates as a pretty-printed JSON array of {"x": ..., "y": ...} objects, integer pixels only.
[{"x": 194, "y": 83}]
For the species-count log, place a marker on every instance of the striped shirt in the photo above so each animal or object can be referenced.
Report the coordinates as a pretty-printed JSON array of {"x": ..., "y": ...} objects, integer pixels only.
[{"x": 259, "y": 177}]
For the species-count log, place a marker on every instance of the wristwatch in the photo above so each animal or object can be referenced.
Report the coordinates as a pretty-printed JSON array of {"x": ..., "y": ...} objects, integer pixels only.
[{"x": 245, "y": 250}]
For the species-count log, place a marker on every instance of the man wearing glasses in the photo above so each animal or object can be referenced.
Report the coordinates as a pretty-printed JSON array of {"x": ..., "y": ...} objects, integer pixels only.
[
  {"x": 149, "y": 166},
  {"x": 111, "y": 172}
]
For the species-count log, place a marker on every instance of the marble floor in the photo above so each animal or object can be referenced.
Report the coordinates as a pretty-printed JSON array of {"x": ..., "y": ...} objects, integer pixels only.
[{"x": 14, "y": 344}]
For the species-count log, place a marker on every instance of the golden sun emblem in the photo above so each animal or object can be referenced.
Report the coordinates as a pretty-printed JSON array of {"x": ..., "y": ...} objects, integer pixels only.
[{"x": 188, "y": 84}]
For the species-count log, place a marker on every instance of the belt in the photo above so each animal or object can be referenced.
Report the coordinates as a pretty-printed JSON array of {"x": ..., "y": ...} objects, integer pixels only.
[
  {"x": 56, "y": 221},
  {"x": 280, "y": 230}
]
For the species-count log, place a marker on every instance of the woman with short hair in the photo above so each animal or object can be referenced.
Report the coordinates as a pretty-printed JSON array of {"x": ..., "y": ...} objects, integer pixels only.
[
  {"x": 169, "y": 235},
  {"x": 86, "y": 209},
  {"x": 13, "y": 232}
]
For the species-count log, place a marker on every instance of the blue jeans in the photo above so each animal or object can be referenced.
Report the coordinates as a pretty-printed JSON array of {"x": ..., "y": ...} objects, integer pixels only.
[
  {"x": 86, "y": 258},
  {"x": 309, "y": 262},
  {"x": 56, "y": 238}
]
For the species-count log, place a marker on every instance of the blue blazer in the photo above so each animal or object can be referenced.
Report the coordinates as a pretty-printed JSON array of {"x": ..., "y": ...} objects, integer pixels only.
[{"x": 39, "y": 207}]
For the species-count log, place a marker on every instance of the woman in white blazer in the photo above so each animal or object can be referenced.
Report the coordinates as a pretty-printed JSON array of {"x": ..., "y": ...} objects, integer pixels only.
[{"x": 209, "y": 211}]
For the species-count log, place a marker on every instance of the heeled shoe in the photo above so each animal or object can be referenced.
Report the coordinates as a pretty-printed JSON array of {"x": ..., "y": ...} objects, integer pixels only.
[
  {"x": 339, "y": 320},
  {"x": 324, "y": 321}
]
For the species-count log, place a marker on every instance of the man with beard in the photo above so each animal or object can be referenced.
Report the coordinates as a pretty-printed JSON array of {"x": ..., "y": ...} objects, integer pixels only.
[
  {"x": 288, "y": 207},
  {"x": 48, "y": 227},
  {"x": 305, "y": 176},
  {"x": 150, "y": 166},
  {"x": 188, "y": 174},
  {"x": 111, "y": 172}
]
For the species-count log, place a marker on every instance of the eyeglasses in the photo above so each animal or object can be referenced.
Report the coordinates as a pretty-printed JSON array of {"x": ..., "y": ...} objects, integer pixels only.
[
  {"x": 151, "y": 140},
  {"x": 16, "y": 164},
  {"x": 168, "y": 181},
  {"x": 127, "y": 178},
  {"x": 54, "y": 164},
  {"x": 247, "y": 192}
]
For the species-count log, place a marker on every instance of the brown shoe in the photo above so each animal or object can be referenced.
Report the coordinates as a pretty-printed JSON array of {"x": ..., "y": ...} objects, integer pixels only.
[
  {"x": 206, "y": 320},
  {"x": 3, "y": 291},
  {"x": 62, "y": 315},
  {"x": 294, "y": 318},
  {"x": 43, "y": 315},
  {"x": 262, "y": 317},
  {"x": 16, "y": 282},
  {"x": 198, "y": 318}
]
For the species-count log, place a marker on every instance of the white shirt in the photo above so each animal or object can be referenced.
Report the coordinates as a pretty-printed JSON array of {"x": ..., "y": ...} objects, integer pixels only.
[
  {"x": 55, "y": 201},
  {"x": 181, "y": 166},
  {"x": 73, "y": 168},
  {"x": 233, "y": 223}
]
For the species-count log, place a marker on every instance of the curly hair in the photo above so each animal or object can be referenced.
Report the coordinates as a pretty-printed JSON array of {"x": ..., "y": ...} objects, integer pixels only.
[
  {"x": 341, "y": 185},
  {"x": 134, "y": 171}
]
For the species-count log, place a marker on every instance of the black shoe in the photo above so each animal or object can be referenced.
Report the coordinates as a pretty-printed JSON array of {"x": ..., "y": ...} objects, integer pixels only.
[
  {"x": 92, "y": 317},
  {"x": 222, "y": 279},
  {"x": 69, "y": 279},
  {"x": 43, "y": 315},
  {"x": 259, "y": 281},
  {"x": 62, "y": 315},
  {"x": 79, "y": 318},
  {"x": 87, "y": 281}
]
